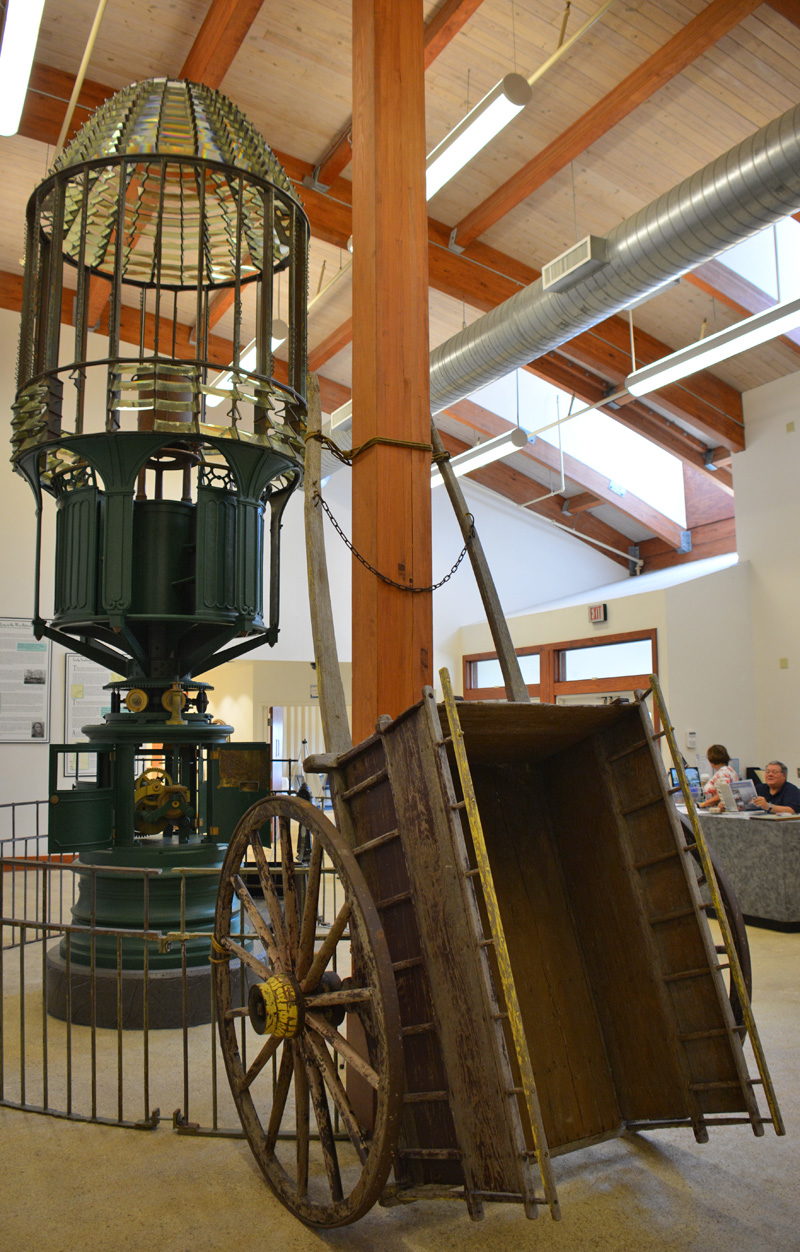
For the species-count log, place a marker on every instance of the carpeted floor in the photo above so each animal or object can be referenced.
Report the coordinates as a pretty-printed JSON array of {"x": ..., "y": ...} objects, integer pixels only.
[{"x": 66, "y": 1186}]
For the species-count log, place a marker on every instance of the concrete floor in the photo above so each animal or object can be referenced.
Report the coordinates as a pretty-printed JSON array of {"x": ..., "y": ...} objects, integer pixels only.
[{"x": 67, "y": 1185}]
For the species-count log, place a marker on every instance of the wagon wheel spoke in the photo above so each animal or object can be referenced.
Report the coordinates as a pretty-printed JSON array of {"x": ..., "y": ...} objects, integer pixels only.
[
  {"x": 289, "y": 885},
  {"x": 285, "y": 1072},
  {"x": 326, "y": 949},
  {"x": 343, "y": 1047},
  {"x": 257, "y": 922},
  {"x": 325, "y": 1128},
  {"x": 299, "y": 1001},
  {"x": 301, "y": 1107},
  {"x": 270, "y": 897},
  {"x": 252, "y": 962},
  {"x": 308, "y": 929},
  {"x": 336, "y": 1087},
  {"x": 343, "y": 998},
  {"x": 265, "y": 1055}
]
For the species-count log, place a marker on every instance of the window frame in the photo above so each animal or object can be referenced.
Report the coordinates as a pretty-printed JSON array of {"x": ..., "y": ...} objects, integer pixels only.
[{"x": 551, "y": 667}]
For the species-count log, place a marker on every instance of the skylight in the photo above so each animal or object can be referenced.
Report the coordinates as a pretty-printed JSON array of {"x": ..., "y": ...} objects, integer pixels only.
[
  {"x": 769, "y": 260},
  {"x": 629, "y": 462}
]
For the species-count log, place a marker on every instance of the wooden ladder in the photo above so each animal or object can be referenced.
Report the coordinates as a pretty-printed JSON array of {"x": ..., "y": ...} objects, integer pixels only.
[
  {"x": 509, "y": 1012},
  {"x": 660, "y": 922}
]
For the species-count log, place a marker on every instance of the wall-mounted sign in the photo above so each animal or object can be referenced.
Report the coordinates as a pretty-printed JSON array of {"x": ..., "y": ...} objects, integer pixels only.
[
  {"x": 24, "y": 683},
  {"x": 598, "y": 613}
]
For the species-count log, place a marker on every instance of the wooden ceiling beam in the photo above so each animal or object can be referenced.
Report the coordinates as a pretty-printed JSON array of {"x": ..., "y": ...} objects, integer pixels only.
[
  {"x": 440, "y": 29},
  {"x": 580, "y": 503},
  {"x": 701, "y": 33},
  {"x": 330, "y": 346},
  {"x": 487, "y": 424},
  {"x": 790, "y": 9},
  {"x": 723, "y": 284},
  {"x": 708, "y": 539},
  {"x": 225, "y": 27},
  {"x": 506, "y": 481}
]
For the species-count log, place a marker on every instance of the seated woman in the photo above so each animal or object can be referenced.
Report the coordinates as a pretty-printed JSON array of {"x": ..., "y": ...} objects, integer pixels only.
[{"x": 719, "y": 758}]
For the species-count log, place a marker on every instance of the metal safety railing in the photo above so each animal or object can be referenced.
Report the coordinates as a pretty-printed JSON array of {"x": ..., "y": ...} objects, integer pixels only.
[{"x": 75, "y": 1041}]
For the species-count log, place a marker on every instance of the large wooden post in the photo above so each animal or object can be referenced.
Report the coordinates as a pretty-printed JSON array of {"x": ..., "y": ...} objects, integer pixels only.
[{"x": 392, "y": 630}]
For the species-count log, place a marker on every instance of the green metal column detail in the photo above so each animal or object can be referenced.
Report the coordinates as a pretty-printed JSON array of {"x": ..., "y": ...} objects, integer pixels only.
[
  {"x": 250, "y": 559},
  {"x": 117, "y": 555},
  {"x": 216, "y": 547},
  {"x": 77, "y": 540}
]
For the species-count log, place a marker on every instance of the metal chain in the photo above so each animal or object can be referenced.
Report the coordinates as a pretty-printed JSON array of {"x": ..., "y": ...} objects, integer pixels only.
[{"x": 383, "y": 577}]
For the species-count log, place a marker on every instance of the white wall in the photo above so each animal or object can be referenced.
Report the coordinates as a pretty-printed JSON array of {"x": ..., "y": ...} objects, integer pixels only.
[{"x": 767, "y": 482}]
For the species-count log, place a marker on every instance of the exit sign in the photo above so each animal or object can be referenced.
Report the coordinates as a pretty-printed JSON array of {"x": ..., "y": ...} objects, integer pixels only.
[{"x": 598, "y": 612}]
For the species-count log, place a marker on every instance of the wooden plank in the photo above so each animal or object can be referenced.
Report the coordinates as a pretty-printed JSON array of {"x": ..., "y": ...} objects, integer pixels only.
[
  {"x": 580, "y": 502},
  {"x": 790, "y": 9},
  {"x": 224, "y": 30},
  {"x": 479, "y": 1075},
  {"x": 710, "y": 539},
  {"x": 331, "y": 345},
  {"x": 684, "y": 47},
  {"x": 392, "y": 629},
  {"x": 445, "y": 24}
]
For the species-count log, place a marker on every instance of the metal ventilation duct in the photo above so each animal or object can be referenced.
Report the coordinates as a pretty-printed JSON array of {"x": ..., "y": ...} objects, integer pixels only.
[{"x": 749, "y": 187}]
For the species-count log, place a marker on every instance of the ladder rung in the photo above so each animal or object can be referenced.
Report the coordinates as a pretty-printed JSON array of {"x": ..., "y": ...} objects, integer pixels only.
[
  {"x": 472, "y": 873},
  {"x": 485, "y": 943},
  {"x": 705, "y": 972},
  {"x": 442, "y": 743},
  {"x": 457, "y": 804},
  {"x": 425, "y": 1097},
  {"x": 420, "y": 1028},
  {"x": 514, "y": 1091},
  {"x": 365, "y": 785},
  {"x": 409, "y": 963},
  {"x": 430, "y": 1154},
  {"x": 714, "y": 1086},
  {"x": 717, "y": 1033},
  {"x": 643, "y": 804},
  {"x": 634, "y": 747},
  {"x": 391, "y": 901},
  {"x": 656, "y": 860},
  {"x": 674, "y": 916},
  {"x": 755, "y": 1082},
  {"x": 500, "y": 1017},
  {"x": 376, "y": 842}
]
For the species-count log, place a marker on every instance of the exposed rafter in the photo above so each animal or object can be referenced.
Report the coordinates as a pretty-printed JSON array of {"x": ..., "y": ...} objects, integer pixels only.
[
  {"x": 222, "y": 34},
  {"x": 443, "y": 26},
  {"x": 687, "y": 45}
]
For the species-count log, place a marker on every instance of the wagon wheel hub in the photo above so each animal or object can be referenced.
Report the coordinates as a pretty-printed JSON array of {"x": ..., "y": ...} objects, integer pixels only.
[{"x": 275, "y": 1007}]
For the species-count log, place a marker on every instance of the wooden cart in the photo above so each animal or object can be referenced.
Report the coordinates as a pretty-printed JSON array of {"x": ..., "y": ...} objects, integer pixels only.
[{"x": 500, "y": 953}]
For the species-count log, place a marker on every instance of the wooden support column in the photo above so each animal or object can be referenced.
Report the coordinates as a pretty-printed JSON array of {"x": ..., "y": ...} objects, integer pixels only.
[{"x": 392, "y": 629}]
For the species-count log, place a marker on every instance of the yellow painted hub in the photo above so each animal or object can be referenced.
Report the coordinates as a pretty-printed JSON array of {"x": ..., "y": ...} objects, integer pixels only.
[{"x": 275, "y": 1007}]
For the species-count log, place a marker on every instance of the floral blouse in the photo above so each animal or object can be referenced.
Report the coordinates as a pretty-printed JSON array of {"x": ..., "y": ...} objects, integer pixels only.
[{"x": 724, "y": 774}]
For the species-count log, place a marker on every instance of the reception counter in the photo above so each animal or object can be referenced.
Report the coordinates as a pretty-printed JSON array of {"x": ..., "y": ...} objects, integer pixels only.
[{"x": 761, "y": 857}]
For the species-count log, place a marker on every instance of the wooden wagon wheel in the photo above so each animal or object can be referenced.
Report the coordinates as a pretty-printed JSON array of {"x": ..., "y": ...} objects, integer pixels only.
[{"x": 300, "y": 1037}]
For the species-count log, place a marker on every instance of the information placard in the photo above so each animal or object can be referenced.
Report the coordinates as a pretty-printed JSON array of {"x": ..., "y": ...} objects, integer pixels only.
[{"x": 24, "y": 683}]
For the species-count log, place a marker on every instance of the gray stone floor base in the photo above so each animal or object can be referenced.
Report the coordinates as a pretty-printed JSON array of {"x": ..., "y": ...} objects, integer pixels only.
[{"x": 168, "y": 1004}]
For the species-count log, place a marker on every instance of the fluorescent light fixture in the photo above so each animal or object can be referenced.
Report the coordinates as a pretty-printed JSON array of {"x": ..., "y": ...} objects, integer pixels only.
[
  {"x": 20, "y": 34},
  {"x": 497, "y": 108},
  {"x": 484, "y": 453},
  {"x": 280, "y": 332},
  {"x": 748, "y": 333}
]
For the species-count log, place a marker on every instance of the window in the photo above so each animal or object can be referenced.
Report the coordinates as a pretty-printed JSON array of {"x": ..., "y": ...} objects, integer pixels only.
[{"x": 575, "y": 671}]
